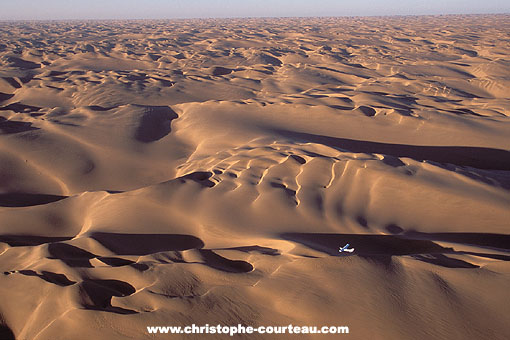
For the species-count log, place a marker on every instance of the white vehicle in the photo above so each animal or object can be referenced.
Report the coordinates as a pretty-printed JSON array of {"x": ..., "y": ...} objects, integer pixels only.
[{"x": 345, "y": 248}]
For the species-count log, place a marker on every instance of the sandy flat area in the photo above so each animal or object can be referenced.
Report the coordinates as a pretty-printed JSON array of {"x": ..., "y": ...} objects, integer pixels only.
[{"x": 159, "y": 173}]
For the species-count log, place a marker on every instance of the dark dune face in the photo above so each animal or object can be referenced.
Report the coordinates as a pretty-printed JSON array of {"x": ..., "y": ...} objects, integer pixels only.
[
  {"x": 210, "y": 171},
  {"x": 481, "y": 158},
  {"x": 155, "y": 123},
  {"x": 8, "y": 126},
  {"x": 6, "y": 333},
  {"x": 25, "y": 200},
  {"x": 143, "y": 244}
]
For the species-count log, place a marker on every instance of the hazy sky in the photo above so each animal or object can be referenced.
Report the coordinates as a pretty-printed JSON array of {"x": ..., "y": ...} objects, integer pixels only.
[{"x": 161, "y": 9}]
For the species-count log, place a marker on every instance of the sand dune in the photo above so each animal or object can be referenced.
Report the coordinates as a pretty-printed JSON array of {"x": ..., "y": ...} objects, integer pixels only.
[{"x": 157, "y": 173}]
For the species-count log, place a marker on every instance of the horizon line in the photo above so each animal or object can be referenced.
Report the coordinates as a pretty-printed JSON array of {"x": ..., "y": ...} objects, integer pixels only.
[{"x": 259, "y": 17}]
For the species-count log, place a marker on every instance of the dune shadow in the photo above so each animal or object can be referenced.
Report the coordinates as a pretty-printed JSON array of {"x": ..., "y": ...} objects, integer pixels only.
[
  {"x": 420, "y": 246},
  {"x": 20, "y": 108},
  {"x": 298, "y": 159},
  {"x": 392, "y": 161},
  {"x": 489, "y": 256},
  {"x": 145, "y": 244},
  {"x": 288, "y": 192},
  {"x": 477, "y": 157},
  {"x": 155, "y": 123},
  {"x": 27, "y": 200},
  {"x": 99, "y": 108},
  {"x": 22, "y": 63},
  {"x": 201, "y": 177},
  {"x": 30, "y": 240},
  {"x": 56, "y": 121},
  {"x": 465, "y": 112},
  {"x": 216, "y": 261},
  {"x": 496, "y": 241},
  {"x": 6, "y": 333},
  {"x": 393, "y": 228},
  {"x": 10, "y": 127},
  {"x": 70, "y": 255},
  {"x": 115, "y": 261},
  {"x": 58, "y": 279},
  {"x": 255, "y": 249},
  {"x": 444, "y": 261},
  {"x": 13, "y": 82},
  {"x": 268, "y": 59},
  {"x": 366, "y": 244},
  {"x": 495, "y": 178},
  {"x": 5, "y": 96},
  {"x": 367, "y": 111},
  {"x": 76, "y": 257},
  {"x": 221, "y": 71},
  {"x": 97, "y": 294},
  {"x": 341, "y": 107}
]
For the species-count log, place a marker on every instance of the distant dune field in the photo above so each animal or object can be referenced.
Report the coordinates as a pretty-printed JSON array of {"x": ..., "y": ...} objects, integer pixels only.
[{"x": 161, "y": 173}]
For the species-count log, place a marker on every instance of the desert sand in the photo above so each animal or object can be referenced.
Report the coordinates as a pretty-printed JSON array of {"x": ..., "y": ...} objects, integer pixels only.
[{"x": 160, "y": 173}]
